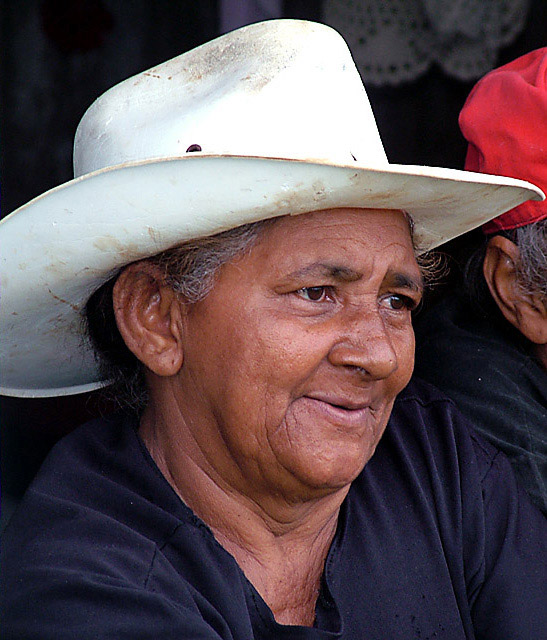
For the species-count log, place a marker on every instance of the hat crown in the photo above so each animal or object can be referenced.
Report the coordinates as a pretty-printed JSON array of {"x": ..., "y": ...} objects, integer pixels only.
[{"x": 283, "y": 88}]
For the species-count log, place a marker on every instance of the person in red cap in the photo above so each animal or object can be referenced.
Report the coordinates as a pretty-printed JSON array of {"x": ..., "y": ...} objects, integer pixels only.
[{"x": 487, "y": 349}]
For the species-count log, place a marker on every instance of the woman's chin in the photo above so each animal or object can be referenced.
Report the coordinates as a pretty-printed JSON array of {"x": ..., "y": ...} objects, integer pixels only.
[
  {"x": 329, "y": 470},
  {"x": 326, "y": 452}
]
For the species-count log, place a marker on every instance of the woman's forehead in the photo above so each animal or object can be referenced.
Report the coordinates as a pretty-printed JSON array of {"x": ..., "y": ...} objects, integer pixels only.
[
  {"x": 340, "y": 245},
  {"x": 342, "y": 232},
  {"x": 383, "y": 220}
]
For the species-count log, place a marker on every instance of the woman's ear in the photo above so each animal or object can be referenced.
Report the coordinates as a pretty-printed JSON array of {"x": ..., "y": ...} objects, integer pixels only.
[
  {"x": 149, "y": 318},
  {"x": 525, "y": 311}
]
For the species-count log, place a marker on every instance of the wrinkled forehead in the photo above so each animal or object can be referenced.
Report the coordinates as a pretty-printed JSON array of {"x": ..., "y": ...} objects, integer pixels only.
[
  {"x": 375, "y": 226},
  {"x": 352, "y": 237}
]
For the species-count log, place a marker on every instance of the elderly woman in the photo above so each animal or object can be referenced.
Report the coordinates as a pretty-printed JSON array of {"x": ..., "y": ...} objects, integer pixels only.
[{"x": 260, "y": 491}]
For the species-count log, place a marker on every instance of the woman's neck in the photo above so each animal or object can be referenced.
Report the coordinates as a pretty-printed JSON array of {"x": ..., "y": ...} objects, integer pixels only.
[
  {"x": 286, "y": 570},
  {"x": 279, "y": 542}
]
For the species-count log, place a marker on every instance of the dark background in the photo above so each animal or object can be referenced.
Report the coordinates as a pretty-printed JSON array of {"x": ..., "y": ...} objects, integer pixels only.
[{"x": 57, "y": 56}]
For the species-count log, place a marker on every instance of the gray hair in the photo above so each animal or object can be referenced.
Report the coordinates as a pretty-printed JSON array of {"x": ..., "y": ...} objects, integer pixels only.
[
  {"x": 532, "y": 267},
  {"x": 192, "y": 267}
]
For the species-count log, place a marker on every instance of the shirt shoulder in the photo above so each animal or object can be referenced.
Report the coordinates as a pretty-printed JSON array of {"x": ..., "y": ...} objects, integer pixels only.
[
  {"x": 100, "y": 542},
  {"x": 424, "y": 408},
  {"x": 97, "y": 490}
]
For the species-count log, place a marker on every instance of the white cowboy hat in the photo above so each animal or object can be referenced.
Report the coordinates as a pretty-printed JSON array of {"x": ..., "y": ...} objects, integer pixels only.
[{"x": 268, "y": 120}]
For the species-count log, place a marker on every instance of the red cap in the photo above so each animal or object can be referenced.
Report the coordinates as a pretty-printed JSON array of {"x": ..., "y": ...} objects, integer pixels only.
[{"x": 504, "y": 119}]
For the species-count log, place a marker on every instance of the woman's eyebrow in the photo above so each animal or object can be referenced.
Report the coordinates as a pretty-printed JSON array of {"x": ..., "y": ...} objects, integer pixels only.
[
  {"x": 342, "y": 273},
  {"x": 404, "y": 281},
  {"x": 327, "y": 270}
]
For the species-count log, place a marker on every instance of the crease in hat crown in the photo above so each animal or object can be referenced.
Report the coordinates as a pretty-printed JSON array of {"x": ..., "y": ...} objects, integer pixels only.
[
  {"x": 284, "y": 126},
  {"x": 258, "y": 92}
]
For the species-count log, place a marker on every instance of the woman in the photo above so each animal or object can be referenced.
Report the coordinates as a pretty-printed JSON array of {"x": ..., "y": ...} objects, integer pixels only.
[{"x": 259, "y": 492}]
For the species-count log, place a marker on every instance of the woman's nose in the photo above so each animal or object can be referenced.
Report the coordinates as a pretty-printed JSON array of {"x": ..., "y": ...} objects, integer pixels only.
[{"x": 366, "y": 345}]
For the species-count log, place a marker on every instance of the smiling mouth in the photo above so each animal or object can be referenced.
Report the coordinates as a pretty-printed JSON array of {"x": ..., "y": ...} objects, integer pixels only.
[
  {"x": 342, "y": 404},
  {"x": 342, "y": 407},
  {"x": 341, "y": 411}
]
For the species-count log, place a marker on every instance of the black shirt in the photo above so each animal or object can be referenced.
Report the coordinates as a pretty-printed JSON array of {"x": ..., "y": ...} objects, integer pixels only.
[
  {"x": 486, "y": 367},
  {"x": 434, "y": 540}
]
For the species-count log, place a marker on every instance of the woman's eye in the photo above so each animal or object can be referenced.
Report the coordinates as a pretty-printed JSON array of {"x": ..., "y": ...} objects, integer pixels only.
[
  {"x": 314, "y": 294},
  {"x": 398, "y": 302}
]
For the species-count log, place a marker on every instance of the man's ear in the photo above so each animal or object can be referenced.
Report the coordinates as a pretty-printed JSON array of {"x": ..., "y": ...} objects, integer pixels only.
[
  {"x": 525, "y": 311},
  {"x": 149, "y": 318}
]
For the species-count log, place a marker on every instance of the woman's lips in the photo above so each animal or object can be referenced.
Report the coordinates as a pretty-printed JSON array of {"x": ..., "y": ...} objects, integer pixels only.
[{"x": 341, "y": 411}]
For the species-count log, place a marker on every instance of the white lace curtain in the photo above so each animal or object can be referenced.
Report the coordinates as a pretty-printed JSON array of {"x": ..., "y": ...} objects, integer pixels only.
[{"x": 396, "y": 41}]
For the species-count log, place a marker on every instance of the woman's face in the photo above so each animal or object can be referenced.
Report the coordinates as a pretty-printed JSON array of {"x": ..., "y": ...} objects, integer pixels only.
[{"x": 292, "y": 363}]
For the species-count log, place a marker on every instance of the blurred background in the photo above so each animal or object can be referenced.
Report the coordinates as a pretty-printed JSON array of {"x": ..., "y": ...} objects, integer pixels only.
[{"x": 418, "y": 58}]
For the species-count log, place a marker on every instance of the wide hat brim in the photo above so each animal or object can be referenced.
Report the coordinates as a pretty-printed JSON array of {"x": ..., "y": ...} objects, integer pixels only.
[{"x": 60, "y": 247}]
